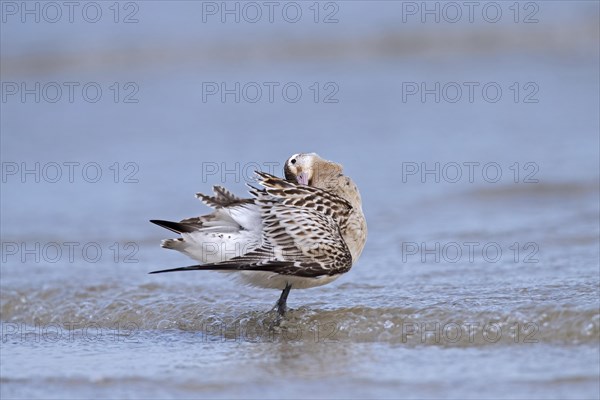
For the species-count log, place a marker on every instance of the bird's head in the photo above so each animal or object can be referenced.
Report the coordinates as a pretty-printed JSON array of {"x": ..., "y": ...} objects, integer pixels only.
[
  {"x": 299, "y": 168},
  {"x": 310, "y": 169}
]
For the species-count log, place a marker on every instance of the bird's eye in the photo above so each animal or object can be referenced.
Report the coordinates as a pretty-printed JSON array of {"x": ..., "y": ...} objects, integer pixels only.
[{"x": 293, "y": 161}]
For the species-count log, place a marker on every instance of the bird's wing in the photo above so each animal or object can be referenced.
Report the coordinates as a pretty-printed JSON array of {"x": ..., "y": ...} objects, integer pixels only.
[
  {"x": 222, "y": 198},
  {"x": 293, "y": 194},
  {"x": 224, "y": 219},
  {"x": 226, "y": 205},
  {"x": 296, "y": 241}
]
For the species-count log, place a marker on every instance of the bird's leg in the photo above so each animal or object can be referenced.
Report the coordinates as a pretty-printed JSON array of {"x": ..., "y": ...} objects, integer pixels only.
[
  {"x": 281, "y": 307},
  {"x": 281, "y": 303}
]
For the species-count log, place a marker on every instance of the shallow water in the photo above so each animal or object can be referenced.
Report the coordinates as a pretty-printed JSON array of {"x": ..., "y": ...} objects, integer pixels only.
[{"x": 483, "y": 286}]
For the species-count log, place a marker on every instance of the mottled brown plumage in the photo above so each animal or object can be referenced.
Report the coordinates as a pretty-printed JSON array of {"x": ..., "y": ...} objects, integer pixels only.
[
  {"x": 328, "y": 176},
  {"x": 297, "y": 233}
]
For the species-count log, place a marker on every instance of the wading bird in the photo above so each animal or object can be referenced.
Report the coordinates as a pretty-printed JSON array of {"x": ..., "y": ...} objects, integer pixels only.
[{"x": 299, "y": 232}]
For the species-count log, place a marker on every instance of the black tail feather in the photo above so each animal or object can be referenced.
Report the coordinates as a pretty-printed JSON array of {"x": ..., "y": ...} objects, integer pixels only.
[
  {"x": 269, "y": 266},
  {"x": 206, "y": 267},
  {"x": 176, "y": 227}
]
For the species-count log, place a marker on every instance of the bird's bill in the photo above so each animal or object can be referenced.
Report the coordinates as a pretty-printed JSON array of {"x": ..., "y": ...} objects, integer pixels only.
[{"x": 302, "y": 178}]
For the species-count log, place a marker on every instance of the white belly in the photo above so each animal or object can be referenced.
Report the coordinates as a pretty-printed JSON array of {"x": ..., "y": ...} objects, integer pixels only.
[{"x": 270, "y": 280}]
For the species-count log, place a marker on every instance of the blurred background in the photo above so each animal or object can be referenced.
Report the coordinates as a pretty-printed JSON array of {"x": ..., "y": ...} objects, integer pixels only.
[{"x": 466, "y": 125}]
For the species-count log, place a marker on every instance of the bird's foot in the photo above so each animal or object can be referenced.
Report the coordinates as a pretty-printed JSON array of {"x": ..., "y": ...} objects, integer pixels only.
[
  {"x": 279, "y": 314},
  {"x": 280, "y": 307}
]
